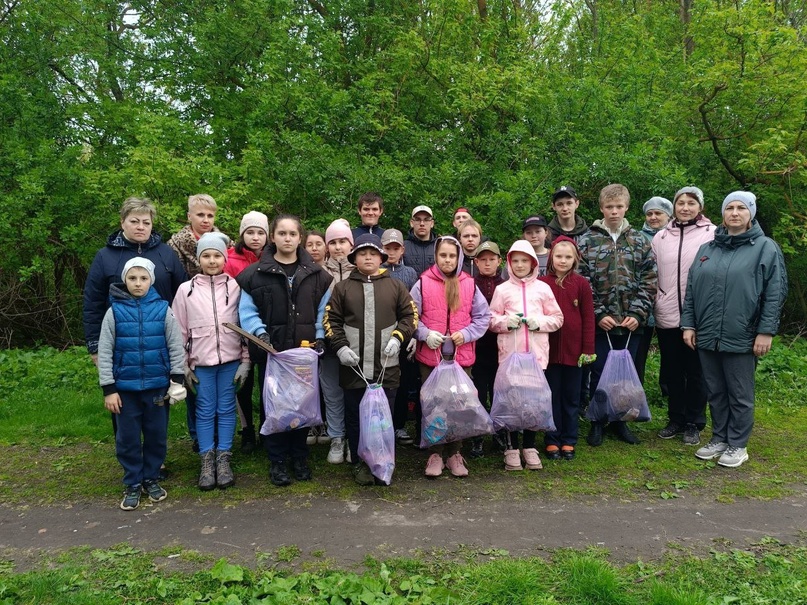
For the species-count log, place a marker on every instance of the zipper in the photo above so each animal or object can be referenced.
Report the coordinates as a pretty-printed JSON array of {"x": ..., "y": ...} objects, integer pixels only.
[
  {"x": 524, "y": 306},
  {"x": 678, "y": 291},
  {"x": 142, "y": 346},
  {"x": 215, "y": 317}
]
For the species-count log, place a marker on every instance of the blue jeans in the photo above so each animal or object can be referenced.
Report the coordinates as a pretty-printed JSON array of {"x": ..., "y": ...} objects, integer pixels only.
[
  {"x": 140, "y": 417},
  {"x": 215, "y": 406},
  {"x": 333, "y": 394}
]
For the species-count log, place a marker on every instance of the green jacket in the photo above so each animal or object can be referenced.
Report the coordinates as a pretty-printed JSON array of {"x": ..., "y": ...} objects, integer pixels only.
[
  {"x": 736, "y": 289},
  {"x": 622, "y": 274}
]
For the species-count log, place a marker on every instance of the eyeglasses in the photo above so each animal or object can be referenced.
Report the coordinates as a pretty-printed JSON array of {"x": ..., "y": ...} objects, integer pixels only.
[{"x": 422, "y": 220}]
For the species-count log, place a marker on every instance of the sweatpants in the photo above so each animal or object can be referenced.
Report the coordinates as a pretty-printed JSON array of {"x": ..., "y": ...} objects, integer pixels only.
[
  {"x": 684, "y": 377},
  {"x": 730, "y": 389},
  {"x": 141, "y": 440}
]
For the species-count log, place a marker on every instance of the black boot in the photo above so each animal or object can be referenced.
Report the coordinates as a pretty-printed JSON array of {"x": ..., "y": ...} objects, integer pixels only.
[
  {"x": 594, "y": 438},
  {"x": 247, "y": 440},
  {"x": 476, "y": 448},
  {"x": 302, "y": 472},
  {"x": 278, "y": 474},
  {"x": 623, "y": 433}
]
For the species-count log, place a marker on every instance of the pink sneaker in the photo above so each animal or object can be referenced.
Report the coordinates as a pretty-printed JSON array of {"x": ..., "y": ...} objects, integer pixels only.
[
  {"x": 434, "y": 467},
  {"x": 531, "y": 459},
  {"x": 456, "y": 465},
  {"x": 512, "y": 460}
]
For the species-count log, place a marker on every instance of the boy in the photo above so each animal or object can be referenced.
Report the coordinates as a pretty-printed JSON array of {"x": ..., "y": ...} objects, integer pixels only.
[
  {"x": 139, "y": 336},
  {"x": 619, "y": 264},
  {"x": 367, "y": 319},
  {"x": 419, "y": 244},
  {"x": 534, "y": 230},
  {"x": 371, "y": 207},
  {"x": 393, "y": 243},
  {"x": 487, "y": 259},
  {"x": 566, "y": 222}
]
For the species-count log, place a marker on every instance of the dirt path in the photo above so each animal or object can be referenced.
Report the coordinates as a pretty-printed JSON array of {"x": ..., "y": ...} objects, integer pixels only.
[{"x": 347, "y": 531}]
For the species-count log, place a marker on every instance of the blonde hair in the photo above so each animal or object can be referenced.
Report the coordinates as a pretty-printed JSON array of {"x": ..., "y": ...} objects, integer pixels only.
[
  {"x": 550, "y": 266},
  {"x": 614, "y": 192},
  {"x": 137, "y": 205},
  {"x": 201, "y": 199},
  {"x": 469, "y": 223}
]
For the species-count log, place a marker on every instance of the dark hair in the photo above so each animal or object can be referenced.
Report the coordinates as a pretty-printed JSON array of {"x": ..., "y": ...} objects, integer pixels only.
[
  {"x": 316, "y": 232},
  {"x": 370, "y": 198},
  {"x": 290, "y": 217}
]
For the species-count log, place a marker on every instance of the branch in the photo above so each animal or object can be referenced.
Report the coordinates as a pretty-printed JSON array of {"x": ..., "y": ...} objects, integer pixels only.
[
  {"x": 319, "y": 8},
  {"x": 713, "y": 138},
  {"x": 68, "y": 79}
]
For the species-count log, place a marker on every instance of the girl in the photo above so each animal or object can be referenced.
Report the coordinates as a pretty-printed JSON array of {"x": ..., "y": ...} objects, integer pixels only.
[
  {"x": 523, "y": 302},
  {"x": 315, "y": 245},
  {"x": 453, "y": 315},
  {"x": 253, "y": 233},
  {"x": 570, "y": 347},
  {"x": 216, "y": 358},
  {"x": 283, "y": 300},
  {"x": 470, "y": 236}
]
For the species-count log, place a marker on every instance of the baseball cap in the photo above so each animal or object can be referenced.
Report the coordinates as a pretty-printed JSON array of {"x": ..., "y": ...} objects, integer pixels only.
[
  {"x": 392, "y": 236},
  {"x": 564, "y": 191},
  {"x": 487, "y": 246},
  {"x": 534, "y": 221},
  {"x": 423, "y": 208}
]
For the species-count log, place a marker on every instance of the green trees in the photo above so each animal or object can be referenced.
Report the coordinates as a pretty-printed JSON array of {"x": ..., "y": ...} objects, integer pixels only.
[{"x": 302, "y": 106}]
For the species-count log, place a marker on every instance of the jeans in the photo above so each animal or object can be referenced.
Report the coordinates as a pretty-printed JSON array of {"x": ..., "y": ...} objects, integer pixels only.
[
  {"x": 333, "y": 394},
  {"x": 141, "y": 440},
  {"x": 215, "y": 406}
]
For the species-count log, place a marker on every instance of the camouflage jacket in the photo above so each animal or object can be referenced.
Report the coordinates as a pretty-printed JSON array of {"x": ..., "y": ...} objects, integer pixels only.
[{"x": 622, "y": 274}]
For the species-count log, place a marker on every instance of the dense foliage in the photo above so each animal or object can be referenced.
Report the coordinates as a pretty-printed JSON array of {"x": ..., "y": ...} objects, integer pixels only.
[{"x": 302, "y": 106}]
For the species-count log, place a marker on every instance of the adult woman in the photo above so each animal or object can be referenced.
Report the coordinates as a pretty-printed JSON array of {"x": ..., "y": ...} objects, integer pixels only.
[
  {"x": 737, "y": 287},
  {"x": 675, "y": 248},
  {"x": 134, "y": 238},
  {"x": 202, "y": 210}
]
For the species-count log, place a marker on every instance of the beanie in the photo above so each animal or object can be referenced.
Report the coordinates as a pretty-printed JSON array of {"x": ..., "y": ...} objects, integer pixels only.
[
  {"x": 748, "y": 199},
  {"x": 138, "y": 261},
  {"x": 658, "y": 203},
  {"x": 693, "y": 191},
  {"x": 254, "y": 219},
  {"x": 338, "y": 229},
  {"x": 213, "y": 240}
]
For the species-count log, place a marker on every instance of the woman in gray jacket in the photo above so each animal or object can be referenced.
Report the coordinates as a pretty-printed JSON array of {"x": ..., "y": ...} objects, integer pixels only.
[{"x": 735, "y": 292}]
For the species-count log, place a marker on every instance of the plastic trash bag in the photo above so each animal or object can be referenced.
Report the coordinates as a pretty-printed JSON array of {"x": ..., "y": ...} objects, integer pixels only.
[
  {"x": 376, "y": 433},
  {"x": 451, "y": 407},
  {"x": 522, "y": 400},
  {"x": 619, "y": 394},
  {"x": 291, "y": 391}
]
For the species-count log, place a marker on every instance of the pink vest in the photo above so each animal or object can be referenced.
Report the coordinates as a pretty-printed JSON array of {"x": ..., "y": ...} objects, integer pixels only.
[{"x": 435, "y": 315}]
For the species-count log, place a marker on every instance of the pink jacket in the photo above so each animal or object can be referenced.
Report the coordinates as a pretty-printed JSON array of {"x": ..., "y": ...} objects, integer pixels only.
[
  {"x": 200, "y": 306},
  {"x": 531, "y": 298},
  {"x": 675, "y": 248}
]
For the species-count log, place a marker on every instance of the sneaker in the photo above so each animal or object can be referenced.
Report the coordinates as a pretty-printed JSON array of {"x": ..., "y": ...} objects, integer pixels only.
[
  {"x": 711, "y": 450},
  {"x": 435, "y": 466},
  {"x": 733, "y": 456},
  {"x": 500, "y": 440},
  {"x": 553, "y": 452},
  {"x": 362, "y": 474},
  {"x": 567, "y": 452},
  {"x": 532, "y": 461},
  {"x": 313, "y": 433},
  {"x": 403, "y": 438},
  {"x": 323, "y": 438},
  {"x": 477, "y": 450},
  {"x": 131, "y": 497},
  {"x": 512, "y": 461},
  {"x": 336, "y": 455},
  {"x": 153, "y": 490},
  {"x": 348, "y": 455},
  {"x": 692, "y": 436},
  {"x": 671, "y": 430},
  {"x": 456, "y": 464}
]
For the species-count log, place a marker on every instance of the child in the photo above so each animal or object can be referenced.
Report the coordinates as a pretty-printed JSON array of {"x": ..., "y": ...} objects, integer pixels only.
[
  {"x": 368, "y": 317},
  {"x": 453, "y": 315},
  {"x": 524, "y": 303},
  {"x": 253, "y": 233},
  {"x": 487, "y": 259},
  {"x": 619, "y": 265},
  {"x": 140, "y": 361},
  {"x": 470, "y": 236},
  {"x": 570, "y": 348},
  {"x": 315, "y": 246},
  {"x": 393, "y": 243},
  {"x": 217, "y": 359},
  {"x": 339, "y": 240},
  {"x": 566, "y": 221},
  {"x": 534, "y": 231},
  {"x": 283, "y": 299}
]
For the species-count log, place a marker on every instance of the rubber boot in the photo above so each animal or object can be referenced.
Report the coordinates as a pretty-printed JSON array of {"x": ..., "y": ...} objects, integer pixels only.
[
  {"x": 224, "y": 474},
  {"x": 207, "y": 478}
]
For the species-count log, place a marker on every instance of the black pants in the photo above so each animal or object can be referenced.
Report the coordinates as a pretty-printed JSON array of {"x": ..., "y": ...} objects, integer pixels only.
[
  {"x": 684, "y": 377},
  {"x": 281, "y": 447},
  {"x": 484, "y": 375},
  {"x": 565, "y": 384},
  {"x": 406, "y": 392},
  {"x": 352, "y": 431}
]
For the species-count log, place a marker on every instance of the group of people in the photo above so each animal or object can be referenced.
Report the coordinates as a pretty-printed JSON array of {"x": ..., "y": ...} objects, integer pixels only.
[{"x": 385, "y": 309}]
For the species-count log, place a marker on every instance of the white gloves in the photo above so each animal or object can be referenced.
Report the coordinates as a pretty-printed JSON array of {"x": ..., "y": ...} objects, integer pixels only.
[
  {"x": 393, "y": 347},
  {"x": 513, "y": 321},
  {"x": 241, "y": 374},
  {"x": 434, "y": 339},
  {"x": 176, "y": 392},
  {"x": 190, "y": 379},
  {"x": 532, "y": 323},
  {"x": 410, "y": 349},
  {"x": 347, "y": 357}
]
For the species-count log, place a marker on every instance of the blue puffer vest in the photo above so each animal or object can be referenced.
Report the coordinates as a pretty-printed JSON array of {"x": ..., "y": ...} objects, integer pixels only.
[{"x": 141, "y": 360}]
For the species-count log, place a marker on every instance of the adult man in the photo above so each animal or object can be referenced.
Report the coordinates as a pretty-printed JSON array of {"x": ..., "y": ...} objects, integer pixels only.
[
  {"x": 419, "y": 244},
  {"x": 371, "y": 207}
]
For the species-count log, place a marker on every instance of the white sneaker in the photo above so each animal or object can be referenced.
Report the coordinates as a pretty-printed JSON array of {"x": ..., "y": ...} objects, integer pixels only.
[
  {"x": 336, "y": 455},
  {"x": 711, "y": 450},
  {"x": 733, "y": 457}
]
